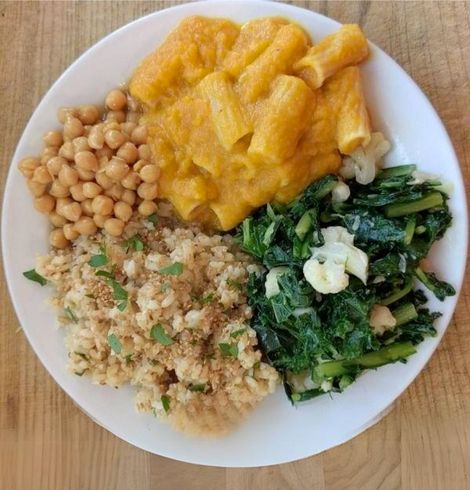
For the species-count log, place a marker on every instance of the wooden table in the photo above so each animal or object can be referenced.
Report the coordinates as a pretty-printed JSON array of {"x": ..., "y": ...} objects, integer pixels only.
[{"x": 48, "y": 443}]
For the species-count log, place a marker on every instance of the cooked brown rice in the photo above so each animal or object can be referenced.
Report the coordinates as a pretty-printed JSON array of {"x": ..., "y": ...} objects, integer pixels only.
[{"x": 208, "y": 391}]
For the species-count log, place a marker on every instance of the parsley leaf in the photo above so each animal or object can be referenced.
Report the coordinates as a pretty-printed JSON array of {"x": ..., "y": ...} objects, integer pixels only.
[
  {"x": 114, "y": 343},
  {"x": 208, "y": 299},
  {"x": 235, "y": 284},
  {"x": 158, "y": 333},
  {"x": 153, "y": 218},
  {"x": 228, "y": 350},
  {"x": 70, "y": 314},
  {"x": 134, "y": 242},
  {"x": 197, "y": 387},
  {"x": 237, "y": 333},
  {"x": 108, "y": 275},
  {"x": 82, "y": 355},
  {"x": 172, "y": 270},
  {"x": 98, "y": 260},
  {"x": 32, "y": 275},
  {"x": 166, "y": 403}
]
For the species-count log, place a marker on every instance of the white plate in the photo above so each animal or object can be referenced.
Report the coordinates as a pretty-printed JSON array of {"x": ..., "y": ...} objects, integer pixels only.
[{"x": 275, "y": 432}]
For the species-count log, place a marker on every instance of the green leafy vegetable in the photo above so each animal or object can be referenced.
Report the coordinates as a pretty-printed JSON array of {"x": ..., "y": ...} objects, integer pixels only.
[
  {"x": 236, "y": 333},
  {"x": 32, "y": 275},
  {"x": 114, "y": 343},
  {"x": 158, "y": 334},
  {"x": 70, "y": 314},
  {"x": 198, "y": 387},
  {"x": 165, "y": 402},
  {"x": 135, "y": 242},
  {"x": 98, "y": 260},
  {"x": 174, "y": 269},
  {"x": 441, "y": 289},
  {"x": 153, "y": 218}
]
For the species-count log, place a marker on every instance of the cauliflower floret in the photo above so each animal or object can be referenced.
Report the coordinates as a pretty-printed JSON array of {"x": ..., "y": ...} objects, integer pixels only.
[
  {"x": 340, "y": 192},
  {"x": 381, "y": 319},
  {"x": 363, "y": 162},
  {"x": 337, "y": 234},
  {"x": 271, "y": 284},
  {"x": 327, "y": 278}
]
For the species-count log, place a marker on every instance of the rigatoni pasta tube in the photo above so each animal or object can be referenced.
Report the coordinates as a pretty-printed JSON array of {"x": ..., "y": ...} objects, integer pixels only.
[
  {"x": 346, "y": 47},
  {"x": 285, "y": 117},
  {"x": 254, "y": 38},
  {"x": 227, "y": 115},
  {"x": 288, "y": 45},
  {"x": 344, "y": 90}
]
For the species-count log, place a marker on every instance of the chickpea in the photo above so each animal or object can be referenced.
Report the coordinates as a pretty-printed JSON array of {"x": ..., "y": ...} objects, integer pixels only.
[
  {"x": 86, "y": 160},
  {"x": 128, "y": 196},
  {"x": 42, "y": 176},
  {"x": 59, "y": 190},
  {"x": 86, "y": 175},
  {"x": 131, "y": 181},
  {"x": 91, "y": 189},
  {"x": 48, "y": 153},
  {"x": 85, "y": 226},
  {"x": 132, "y": 104},
  {"x": 114, "y": 226},
  {"x": 67, "y": 150},
  {"x": 105, "y": 151},
  {"x": 77, "y": 192},
  {"x": 44, "y": 204},
  {"x": 115, "y": 192},
  {"x": 53, "y": 138},
  {"x": 68, "y": 176},
  {"x": 128, "y": 128},
  {"x": 72, "y": 211},
  {"x": 122, "y": 210},
  {"x": 118, "y": 116},
  {"x": 103, "y": 180},
  {"x": 144, "y": 152},
  {"x": 73, "y": 128},
  {"x": 65, "y": 113},
  {"x": 146, "y": 208},
  {"x": 116, "y": 169},
  {"x": 128, "y": 152},
  {"x": 102, "y": 205},
  {"x": 116, "y": 100},
  {"x": 57, "y": 239},
  {"x": 80, "y": 144},
  {"x": 55, "y": 164},
  {"x": 133, "y": 117},
  {"x": 70, "y": 232},
  {"x": 57, "y": 220},
  {"x": 110, "y": 124},
  {"x": 87, "y": 210},
  {"x": 61, "y": 203},
  {"x": 96, "y": 138},
  {"x": 99, "y": 220},
  {"x": 149, "y": 173},
  {"x": 140, "y": 164},
  {"x": 35, "y": 188},
  {"x": 139, "y": 135},
  {"x": 114, "y": 138},
  {"x": 147, "y": 191},
  {"x": 28, "y": 165},
  {"x": 88, "y": 114}
]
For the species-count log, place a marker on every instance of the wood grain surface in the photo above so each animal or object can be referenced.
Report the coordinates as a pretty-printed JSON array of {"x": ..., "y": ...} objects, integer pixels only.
[{"x": 48, "y": 443}]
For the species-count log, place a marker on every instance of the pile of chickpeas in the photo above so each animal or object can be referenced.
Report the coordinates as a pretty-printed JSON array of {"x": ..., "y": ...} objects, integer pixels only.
[{"x": 94, "y": 172}]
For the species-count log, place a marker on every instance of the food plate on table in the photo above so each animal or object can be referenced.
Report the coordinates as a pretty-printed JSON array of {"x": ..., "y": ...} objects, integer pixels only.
[{"x": 225, "y": 245}]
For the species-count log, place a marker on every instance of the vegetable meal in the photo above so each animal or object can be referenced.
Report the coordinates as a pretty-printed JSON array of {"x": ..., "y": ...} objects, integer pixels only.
[{"x": 223, "y": 225}]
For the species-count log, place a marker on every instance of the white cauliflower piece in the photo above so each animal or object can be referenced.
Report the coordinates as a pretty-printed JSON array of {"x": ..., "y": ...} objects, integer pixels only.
[
  {"x": 340, "y": 192},
  {"x": 271, "y": 285},
  {"x": 364, "y": 160},
  {"x": 337, "y": 234},
  {"x": 328, "y": 277},
  {"x": 381, "y": 319}
]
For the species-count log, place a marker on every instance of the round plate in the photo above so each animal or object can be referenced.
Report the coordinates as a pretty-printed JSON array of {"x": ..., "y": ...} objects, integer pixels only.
[{"x": 275, "y": 432}]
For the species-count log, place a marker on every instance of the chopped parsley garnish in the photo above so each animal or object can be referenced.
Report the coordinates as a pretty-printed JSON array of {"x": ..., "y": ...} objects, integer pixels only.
[
  {"x": 98, "y": 260},
  {"x": 153, "y": 218},
  {"x": 237, "y": 333},
  {"x": 206, "y": 300},
  {"x": 91, "y": 296},
  {"x": 32, "y": 275},
  {"x": 228, "y": 350},
  {"x": 119, "y": 293},
  {"x": 164, "y": 288},
  {"x": 235, "y": 284},
  {"x": 70, "y": 314},
  {"x": 108, "y": 275},
  {"x": 134, "y": 242},
  {"x": 198, "y": 387},
  {"x": 166, "y": 403},
  {"x": 174, "y": 269},
  {"x": 114, "y": 343},
  {"x": 128, "y": 358},
  {"x": 82, "y": 355},
  {"x": 158, "y": 334},
  {"x": 80, "y": 373}
]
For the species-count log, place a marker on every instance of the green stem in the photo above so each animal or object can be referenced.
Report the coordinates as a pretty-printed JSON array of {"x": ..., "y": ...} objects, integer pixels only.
[
  {"x": 405, "y": 313},
  {"x": 304, "y": 224},
  {"x": 402, "y": 209},
  {"x": 397, "y": 294},
  {"x": 399, "y": 171},
  {"x": 410, "y": 230},
  {"x": 387, "y": 355}
]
